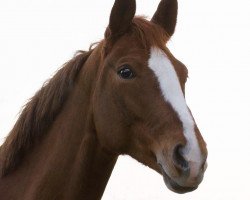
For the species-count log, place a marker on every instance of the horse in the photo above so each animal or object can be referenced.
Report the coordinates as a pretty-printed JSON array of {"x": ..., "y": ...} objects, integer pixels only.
[{"x": 124, "y": 96}]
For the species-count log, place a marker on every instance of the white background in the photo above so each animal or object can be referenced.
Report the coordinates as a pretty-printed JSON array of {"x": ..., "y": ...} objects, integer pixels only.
[{"x": 212, "y": 39}]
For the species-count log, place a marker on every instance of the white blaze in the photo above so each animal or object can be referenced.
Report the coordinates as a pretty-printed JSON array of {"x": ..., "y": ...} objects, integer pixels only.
[{"x": 172, "y": 93}]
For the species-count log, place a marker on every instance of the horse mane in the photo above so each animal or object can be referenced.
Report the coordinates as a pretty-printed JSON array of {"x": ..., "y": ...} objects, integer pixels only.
[{"x": 39, "y": 113}]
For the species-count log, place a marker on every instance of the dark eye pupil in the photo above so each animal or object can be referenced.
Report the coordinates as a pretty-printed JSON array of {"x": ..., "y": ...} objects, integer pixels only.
[{"x": 126, "y": 73}]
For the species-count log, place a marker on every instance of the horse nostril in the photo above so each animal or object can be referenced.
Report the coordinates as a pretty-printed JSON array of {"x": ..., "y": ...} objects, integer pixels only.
[{"x": 179, "y": 161}]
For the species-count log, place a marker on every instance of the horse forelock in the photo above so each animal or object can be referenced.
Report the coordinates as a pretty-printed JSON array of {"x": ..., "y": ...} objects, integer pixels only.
[{"x": 146, "y": 32}]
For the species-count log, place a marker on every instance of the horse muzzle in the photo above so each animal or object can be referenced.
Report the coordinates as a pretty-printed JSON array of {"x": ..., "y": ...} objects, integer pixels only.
[{"x": 180, "y": 176}]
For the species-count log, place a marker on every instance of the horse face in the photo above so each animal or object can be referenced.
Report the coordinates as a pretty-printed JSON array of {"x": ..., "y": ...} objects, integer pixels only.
[{"x": 139, "y": 103}]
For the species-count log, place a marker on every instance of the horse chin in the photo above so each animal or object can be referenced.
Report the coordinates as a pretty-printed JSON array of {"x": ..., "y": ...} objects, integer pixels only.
[{"x": 175, "y": 187}]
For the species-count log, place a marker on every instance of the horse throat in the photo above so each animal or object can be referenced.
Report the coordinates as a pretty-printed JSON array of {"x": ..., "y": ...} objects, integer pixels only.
[{"x": 91, "y": 172}]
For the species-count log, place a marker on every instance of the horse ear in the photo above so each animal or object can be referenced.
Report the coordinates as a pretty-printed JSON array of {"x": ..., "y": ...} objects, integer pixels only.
[
  {"x": 166, "y": 15},
  {"x": 121, "y": 16}
]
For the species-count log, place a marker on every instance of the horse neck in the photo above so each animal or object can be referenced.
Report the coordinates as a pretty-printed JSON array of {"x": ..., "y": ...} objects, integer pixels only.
[{"x": 69, "y": 163}]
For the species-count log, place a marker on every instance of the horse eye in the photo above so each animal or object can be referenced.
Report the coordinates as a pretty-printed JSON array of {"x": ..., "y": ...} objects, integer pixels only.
[{"x": 126, "y": 73}]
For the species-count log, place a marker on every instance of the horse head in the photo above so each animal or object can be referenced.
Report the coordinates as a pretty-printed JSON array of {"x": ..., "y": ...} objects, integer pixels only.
[{"x": 139, "y": 100}]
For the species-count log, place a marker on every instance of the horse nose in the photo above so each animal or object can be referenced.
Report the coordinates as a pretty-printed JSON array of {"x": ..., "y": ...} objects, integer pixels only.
[
  {"x": 181, "y": 164},
  {"x": 187, "y": 169}
]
